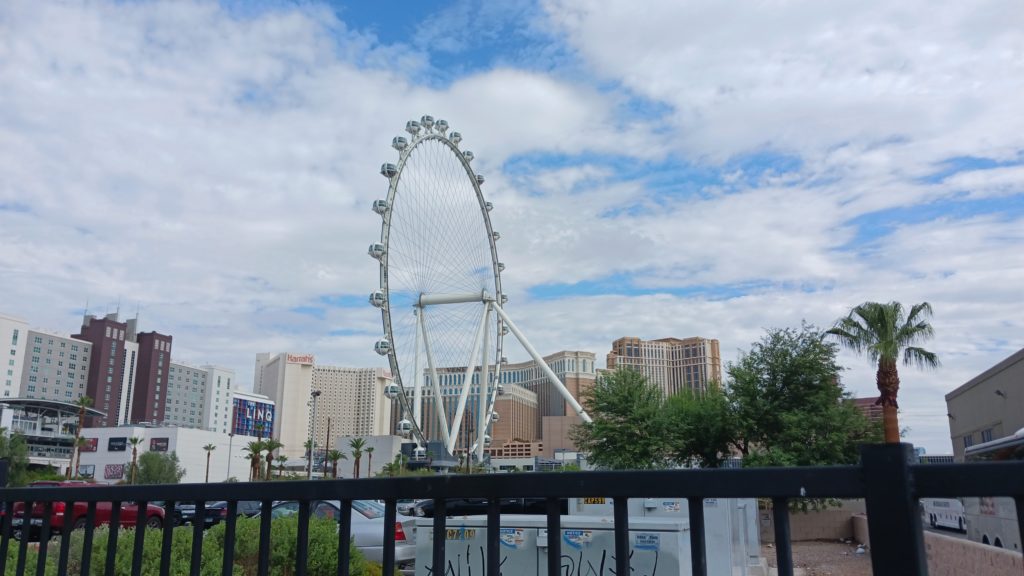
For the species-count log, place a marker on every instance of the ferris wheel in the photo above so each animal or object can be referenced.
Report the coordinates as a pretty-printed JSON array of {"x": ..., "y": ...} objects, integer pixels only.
[{"x": 440, "y": 290}]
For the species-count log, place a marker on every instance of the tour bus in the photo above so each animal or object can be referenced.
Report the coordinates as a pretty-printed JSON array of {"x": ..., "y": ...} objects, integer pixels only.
[
  {"x": 994, "y": 520},
  {"x": 944, "y": 513}
]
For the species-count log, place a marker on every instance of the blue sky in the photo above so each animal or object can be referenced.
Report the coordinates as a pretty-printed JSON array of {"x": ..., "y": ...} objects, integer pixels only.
[{"x": 665, "y": 169}]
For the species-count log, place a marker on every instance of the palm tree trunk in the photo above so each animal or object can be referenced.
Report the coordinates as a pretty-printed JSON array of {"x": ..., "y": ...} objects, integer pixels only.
[
  {"x": 888, "y": 380},
  {"x": 207, "y": 466},
  {"x": 270, "y": 466}
]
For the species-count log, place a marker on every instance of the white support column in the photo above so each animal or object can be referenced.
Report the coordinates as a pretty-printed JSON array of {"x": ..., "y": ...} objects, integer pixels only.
[
  {"x": 483, "y": 411},
  {"x": 438, "y": 400},
  {"x": 467, "y": 384},
  {"x": 542, "y": 365},
  {"x": 417, "y": 377}
]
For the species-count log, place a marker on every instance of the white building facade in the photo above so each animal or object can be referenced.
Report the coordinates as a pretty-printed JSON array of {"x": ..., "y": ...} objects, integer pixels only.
[{"x": 108, "y": 453}]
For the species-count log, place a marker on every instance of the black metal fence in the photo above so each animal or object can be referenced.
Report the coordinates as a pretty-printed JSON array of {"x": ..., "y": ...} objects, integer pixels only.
[{"x": 886, "y": 479}]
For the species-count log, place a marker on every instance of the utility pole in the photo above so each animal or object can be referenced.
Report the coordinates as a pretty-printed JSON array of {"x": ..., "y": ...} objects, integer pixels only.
[{"x": 312, "y": 436}]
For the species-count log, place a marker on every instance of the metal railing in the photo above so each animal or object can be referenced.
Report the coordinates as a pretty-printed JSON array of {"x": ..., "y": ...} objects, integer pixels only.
[{"x": 885, "y": 478}]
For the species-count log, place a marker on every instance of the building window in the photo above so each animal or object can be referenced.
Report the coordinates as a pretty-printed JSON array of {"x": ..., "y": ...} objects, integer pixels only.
[
  {"x": 968, "y": 441},
  {"x": 986, "y": 435}
]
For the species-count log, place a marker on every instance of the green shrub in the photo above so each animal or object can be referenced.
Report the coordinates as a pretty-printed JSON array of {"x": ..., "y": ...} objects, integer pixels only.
[{"x": 322, "y": 555}]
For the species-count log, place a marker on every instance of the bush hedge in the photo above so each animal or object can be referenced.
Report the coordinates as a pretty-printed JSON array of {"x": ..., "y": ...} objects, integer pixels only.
[{"x": 322, "y": 556}]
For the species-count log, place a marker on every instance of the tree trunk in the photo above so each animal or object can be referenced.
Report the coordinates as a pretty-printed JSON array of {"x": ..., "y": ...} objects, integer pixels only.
[
  {"x": 888, "y": 380},
  {"x": 207, "y": 466},
  {"x": 270, "y": 459}
]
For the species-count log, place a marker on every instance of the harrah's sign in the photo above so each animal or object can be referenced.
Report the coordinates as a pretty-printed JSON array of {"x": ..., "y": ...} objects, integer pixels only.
[{"x": 301, "y": 359}]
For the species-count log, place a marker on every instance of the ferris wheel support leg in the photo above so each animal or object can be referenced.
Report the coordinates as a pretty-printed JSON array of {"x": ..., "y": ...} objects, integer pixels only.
[
  {"x": 417, "y": 377},
  {"x": 467, "y": 382},
  {"x": 436, "y": 384},
  {"x": 543, "y": 365},
  {"x": 483, "y": 413}
]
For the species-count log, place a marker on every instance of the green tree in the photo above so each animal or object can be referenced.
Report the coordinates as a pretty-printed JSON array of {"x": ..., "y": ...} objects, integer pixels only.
[
  {"x": 14, "y": 447},
  {"x": 83, "y": 402},
  {"x": 160, "y": 468},
  {"x": 134, "y": 441},
  {"x": 254, "y": 449},
  {"x": 700, "y": 427},
  {"x": 369, "y": 460},
  {"x": 333, "y": 456},
  {"x": 270, "y": 445},
  {"x": 882, "y": 332},
  {"x": 628, "y": 428},
  {"x": 280, "y": 464},
  {"x": 788, "y": 406},
  {"x": 209, "y": 452},
  {"x": 357, "y": 445}
]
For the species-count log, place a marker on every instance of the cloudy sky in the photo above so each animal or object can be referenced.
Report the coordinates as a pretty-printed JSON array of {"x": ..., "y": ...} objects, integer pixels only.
[{"x": 658, "y": 169}]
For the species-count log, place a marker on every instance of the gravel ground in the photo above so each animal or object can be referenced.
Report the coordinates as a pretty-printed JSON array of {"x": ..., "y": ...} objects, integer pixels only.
[{"x": 825, "y": 559}]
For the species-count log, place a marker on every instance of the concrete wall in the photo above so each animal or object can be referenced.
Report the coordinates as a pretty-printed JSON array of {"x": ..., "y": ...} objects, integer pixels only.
[
  {"x": 829, "y": 524},
  {"x": 949, "y": 556}
]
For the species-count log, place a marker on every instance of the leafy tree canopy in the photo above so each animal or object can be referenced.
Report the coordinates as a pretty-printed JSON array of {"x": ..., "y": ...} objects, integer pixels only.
[
  {"x": 782, "y": 405},
  {"x": 159, "y": 468},
  {"x": 628, "y": 431}
]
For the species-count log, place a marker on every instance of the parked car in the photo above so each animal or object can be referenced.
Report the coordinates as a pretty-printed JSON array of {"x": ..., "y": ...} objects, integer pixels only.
[
  {"x": 367, "y": 528},
  {"x": 217, "y": 512},
  {"x": 128, "y": 516},
  {"x": 478, "y": 506},
  {"x": 184, "y": 513}
]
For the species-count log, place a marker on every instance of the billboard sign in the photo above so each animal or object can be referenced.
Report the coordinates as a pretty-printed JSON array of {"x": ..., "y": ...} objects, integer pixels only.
[
  {"x": 91, "y": 445},
  {"x": 248, "y": 414},
  {"x": 117, "y": 444},
  {"x": 158, "y": 444}
]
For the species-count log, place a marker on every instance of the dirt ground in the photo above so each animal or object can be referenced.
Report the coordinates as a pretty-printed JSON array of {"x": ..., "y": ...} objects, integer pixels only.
[{"x": 825, "y": 559}]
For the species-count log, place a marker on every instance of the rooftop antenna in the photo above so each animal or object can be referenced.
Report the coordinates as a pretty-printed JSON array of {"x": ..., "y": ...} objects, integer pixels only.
[
  {"x": 86, "y": 306},
  {"x": 118, "y": 311}
]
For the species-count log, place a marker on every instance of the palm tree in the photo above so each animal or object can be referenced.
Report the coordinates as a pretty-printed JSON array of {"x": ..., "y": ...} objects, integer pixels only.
[
  {"x": 881, "y": 332},
  {"x": 357, "y": 445},
  {"x": 209, "y": 449},
  {"x": 83, "y": 402},
  {"x": 369, "y": 460},
  {"x": 254, "y": 448},
  {"x": 334, "y": 456},
  {"x": 280, "y": 464},
  {"x": 270, "y": 445},
  {"x": 79, "y": 444},
  {"x": 134, "y": 441}
]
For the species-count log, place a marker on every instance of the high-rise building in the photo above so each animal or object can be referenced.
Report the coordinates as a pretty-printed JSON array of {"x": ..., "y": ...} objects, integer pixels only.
[
  {"x": 353, "y": 401},
  {"x": 352, "y": 398},
  {"x": 107, "y": 366},
  {"x": 287, "y": 380},
  {"x": 13, "y": 336},
  {"x": 149, "y": 393},
  {"x": 673, "y": 364},
  {"x": 56, "y": 367},
  {"x": 574, "y": 368}
]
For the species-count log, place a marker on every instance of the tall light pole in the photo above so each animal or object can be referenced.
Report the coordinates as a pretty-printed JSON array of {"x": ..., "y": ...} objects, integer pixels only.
[{"x": 312, "y": 436}]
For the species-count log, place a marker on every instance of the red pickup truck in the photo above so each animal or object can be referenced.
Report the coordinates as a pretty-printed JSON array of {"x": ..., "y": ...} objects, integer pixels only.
[{"x": 128, "y": 517}]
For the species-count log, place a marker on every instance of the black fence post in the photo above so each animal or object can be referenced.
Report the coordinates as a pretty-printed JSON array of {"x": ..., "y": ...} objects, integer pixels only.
[
  {"x": 894, "y": 522},
  {"x": 5, "y": 466}
]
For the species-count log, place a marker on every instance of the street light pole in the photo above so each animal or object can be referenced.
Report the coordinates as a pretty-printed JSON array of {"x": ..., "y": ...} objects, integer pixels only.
[
  {"x": 312, "y": 436},
  {"x": 231, "y": 438}
]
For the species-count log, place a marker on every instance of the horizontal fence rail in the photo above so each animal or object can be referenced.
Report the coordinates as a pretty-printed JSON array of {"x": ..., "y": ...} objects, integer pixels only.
[{"x": 886, "y": 479}]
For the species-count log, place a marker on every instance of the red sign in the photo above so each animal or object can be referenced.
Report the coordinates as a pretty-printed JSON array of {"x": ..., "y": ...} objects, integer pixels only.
[
  {"x": 301, "y": 359},
  {"x": 158, "y": 444},
  {"x": 91, "y": 445}
]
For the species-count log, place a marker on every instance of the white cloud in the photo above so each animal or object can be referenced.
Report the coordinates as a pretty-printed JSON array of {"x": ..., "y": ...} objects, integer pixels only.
[{"x": 218, "y": 171}]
